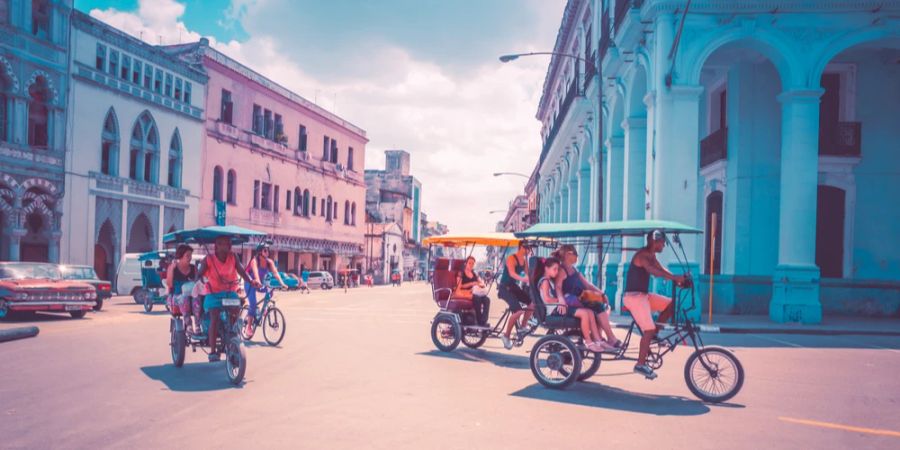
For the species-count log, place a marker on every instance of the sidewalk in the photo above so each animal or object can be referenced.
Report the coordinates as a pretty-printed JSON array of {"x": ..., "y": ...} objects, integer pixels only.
[{"x": 749, "y": 324}]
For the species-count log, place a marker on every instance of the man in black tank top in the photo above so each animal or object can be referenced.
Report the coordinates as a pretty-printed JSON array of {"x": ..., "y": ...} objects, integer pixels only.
[{"x": 641, "y": 302}]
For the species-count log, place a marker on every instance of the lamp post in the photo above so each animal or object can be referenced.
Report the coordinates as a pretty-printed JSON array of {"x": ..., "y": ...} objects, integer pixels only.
[
  {"x": 596, "y": 66},
  {"x": 516, "y": 174}
]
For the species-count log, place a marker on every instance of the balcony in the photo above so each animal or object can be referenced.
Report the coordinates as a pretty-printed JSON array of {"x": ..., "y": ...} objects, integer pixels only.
[
  {"x": 843, "y": 140},
  {"x": 226, "y": 129},
  {"x": 264, "y": 217},
  {"x": 714, "y": 147},
  {"x": 575, "y": 90}
]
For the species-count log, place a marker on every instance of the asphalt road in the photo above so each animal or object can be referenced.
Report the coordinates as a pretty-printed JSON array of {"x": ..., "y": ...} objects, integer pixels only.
[{"x": 358, "y": 370}]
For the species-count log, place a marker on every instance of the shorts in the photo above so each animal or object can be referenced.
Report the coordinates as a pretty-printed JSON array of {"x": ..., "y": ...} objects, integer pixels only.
[
  {"x": 642, "y": 305},
  {"x": 514, "y": 296}
]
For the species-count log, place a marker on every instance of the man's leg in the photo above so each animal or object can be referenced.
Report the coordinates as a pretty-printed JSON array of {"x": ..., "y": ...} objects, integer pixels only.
[
  {"x": 639, "y": 305},
  {"x": 664, "y": 305}
]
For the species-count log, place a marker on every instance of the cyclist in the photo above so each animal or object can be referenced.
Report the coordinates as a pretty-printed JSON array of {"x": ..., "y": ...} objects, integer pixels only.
[
  {"x": 222, "y": 270},
  {"x": 641, "y": 302},
  {"x": 514, "y": 272},
  {"x": 260, "y": 267}
]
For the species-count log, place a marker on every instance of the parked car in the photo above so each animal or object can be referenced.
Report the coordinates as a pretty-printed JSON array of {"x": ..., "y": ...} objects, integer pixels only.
[
  {"x": 128, "y": 276},
  {"x": 87, "y": 275},
  {"x": 28, "y": 286},
  {"x": 320, "y": 279},
  {"x": 289, "y": 279}
]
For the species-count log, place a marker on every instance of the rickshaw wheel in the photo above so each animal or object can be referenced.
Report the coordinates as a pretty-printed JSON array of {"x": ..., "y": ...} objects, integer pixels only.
[
  {"x": 273, "y": 326},
  {"x": 474, "y": 339},
  {"x": 589, "y": 370},
  {"x": 555, "y": 362},
  {"x": 140, "y": 296},
  {"x": 148, "y": 303},
  {"x": 716, "y": 386},
  {"x": 179, "y": 345},
  {"x": 445, "y": 334},
  {"x": 235, "y": 361}
]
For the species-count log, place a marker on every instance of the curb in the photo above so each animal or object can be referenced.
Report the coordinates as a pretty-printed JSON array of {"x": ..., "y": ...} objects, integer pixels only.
[
  {"x": 750, "y": 330},
  {"x": 12, "y": 334}
]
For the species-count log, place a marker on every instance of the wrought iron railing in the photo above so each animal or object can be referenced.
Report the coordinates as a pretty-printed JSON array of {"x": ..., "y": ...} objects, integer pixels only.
[
  {"x": 714, "y": 147},
  {"x": 843, "y": 140}
]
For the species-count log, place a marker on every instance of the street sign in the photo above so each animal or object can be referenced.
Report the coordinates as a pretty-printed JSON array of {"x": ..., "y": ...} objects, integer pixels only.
[{"x": 220, "y": 213}]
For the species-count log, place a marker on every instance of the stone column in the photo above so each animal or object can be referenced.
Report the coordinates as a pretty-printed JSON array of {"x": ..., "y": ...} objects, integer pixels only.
[
  {"x": 615, "y": 157},
  {"x": 53, "y": 246},
  {"x": 573, "y": 198},
  {"x": 15, "y": 239},
  {"x": 564, "y": 204},
  {"x": 676, "y": 169},
  {"x": 19, "y": 121},
  {"x": 795, "y": 284},
  {"x": 584, "y": 194}
]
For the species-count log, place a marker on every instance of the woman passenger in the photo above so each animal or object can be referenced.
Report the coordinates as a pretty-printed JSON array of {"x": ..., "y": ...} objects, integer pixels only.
[
  {"x": 557, "y": 307},
  {"x": 572, "y": 285},
  {"x": 467, "y": 280},
  {"x": 180, "y": 273}
]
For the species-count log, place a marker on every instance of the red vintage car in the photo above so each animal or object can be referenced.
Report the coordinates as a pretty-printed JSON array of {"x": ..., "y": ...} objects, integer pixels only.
[{"x": 28, "y": 286}]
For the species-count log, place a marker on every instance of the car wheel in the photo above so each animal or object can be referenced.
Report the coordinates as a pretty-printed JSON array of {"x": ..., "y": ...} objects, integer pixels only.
[
  {"x": 99, "y": 305},
  {"x": 4, "y": 309},
  {"x": 136, "y": 295},
  {"x": 77, "y": 314}
]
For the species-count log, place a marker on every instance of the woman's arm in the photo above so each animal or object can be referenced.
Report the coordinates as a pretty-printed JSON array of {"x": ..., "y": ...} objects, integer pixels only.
[
  {"x": 243, "y": 273},
  {"x": 587, "y": 284},
  {"x": 170, "y": 277},
  {"x": 560, "y": 278},
  {"x": 274, "y": 269}
]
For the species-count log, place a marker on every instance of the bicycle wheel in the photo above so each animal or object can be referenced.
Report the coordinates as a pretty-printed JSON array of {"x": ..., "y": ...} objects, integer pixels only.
[
  {"x": 235, "y": 361},
  {"x": 243, "y": 317},
  {"x": 713, "y": 374},
  {"x": 445, "y": 334},
  {"x": 588, "y": 370},
  {"x": 474, "y": 339},
  {"x": 178, "y": 342},
  {"x": 555, "y": 362},
  {"x": 273, "y": 326}
]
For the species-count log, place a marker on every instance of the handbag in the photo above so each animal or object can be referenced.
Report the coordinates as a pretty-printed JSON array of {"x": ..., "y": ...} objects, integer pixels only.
[
  {"x": 480, "y": 291},
  {"x": 589, "y": 297}
]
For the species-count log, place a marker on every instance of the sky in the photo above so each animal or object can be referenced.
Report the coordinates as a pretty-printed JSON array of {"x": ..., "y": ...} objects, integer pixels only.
[{"x": 417, "y": 75}]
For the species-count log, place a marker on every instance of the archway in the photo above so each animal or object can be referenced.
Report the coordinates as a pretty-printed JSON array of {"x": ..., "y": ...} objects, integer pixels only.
[
  {"x": 140, "y": 236},
  {"x": 35, "y": 245},
  {"x": 105, "y": 252},
  {"x": 713, "y": 209}
]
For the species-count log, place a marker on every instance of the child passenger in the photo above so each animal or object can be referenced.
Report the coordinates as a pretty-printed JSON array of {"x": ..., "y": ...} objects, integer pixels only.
[{"x": 556, "y": 307}]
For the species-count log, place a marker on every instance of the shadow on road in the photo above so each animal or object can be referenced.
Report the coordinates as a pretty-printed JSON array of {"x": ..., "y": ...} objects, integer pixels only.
[
  {"x": 495, "y": 358},
  {"x": 600, "y": 396},
  {"x": 192, "y": 377},
  {"x": 161, "y": 312},
  {"x": 39, "y": 317}
]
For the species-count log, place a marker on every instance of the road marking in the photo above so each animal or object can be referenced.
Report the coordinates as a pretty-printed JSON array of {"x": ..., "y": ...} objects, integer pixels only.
[
  {"x": 780, "y": 341},
  {"x": 836, "y": 426}
]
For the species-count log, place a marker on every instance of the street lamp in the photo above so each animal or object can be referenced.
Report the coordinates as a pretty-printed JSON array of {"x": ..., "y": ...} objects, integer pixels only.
[
  {"x": 517, "y": 174},
  {"x": 496, "y": 211},
  {"x": 596, "y": 66}
]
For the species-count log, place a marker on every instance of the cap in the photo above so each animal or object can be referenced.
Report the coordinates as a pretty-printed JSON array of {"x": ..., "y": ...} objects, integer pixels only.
[{"x": 657, "y": 235}]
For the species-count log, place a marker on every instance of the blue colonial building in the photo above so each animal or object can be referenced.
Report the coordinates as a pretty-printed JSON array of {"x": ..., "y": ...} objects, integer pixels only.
[
  {"x": 33, "y": 83},
  {"x": 773, "y": 123}
]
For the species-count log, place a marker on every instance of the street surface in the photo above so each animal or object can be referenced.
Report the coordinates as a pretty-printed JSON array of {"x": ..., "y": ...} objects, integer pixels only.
[{"x": 358, "y": 370}]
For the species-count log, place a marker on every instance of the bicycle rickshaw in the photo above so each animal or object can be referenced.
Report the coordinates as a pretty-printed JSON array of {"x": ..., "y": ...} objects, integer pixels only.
[
  {"x": 229, "y": 339},
  {"x": 558, "y": 359},
  {"x": 455, "y": 320},
  {"x": 152, "y": 291}
]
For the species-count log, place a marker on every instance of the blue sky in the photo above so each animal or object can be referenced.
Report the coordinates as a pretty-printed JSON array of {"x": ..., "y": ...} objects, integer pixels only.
[{"x": 420, "y": 75}]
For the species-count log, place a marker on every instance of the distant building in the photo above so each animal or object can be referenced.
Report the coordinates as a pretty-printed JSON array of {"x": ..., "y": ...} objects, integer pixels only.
[
  {"x": 517, "y": 215},
  {"x": 384, "y": 250},
  {"x": 34, "y": 43},
  {"x": 264, "y": 169},
  {"x": 394, "y": 195},
  {"x": 136, "y": 143}
]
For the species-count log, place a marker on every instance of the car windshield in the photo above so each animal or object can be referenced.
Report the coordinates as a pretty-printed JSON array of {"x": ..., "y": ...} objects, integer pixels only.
[
  {"x": 21, "y": 271},
  {"x": 78, "y": 273}
]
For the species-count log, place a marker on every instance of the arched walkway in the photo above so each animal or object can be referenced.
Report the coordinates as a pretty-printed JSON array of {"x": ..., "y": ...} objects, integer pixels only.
[{"x": 140, "y": 236}]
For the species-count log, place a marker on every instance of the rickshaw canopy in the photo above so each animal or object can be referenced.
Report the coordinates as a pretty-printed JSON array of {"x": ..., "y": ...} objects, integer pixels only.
[
  {"x": 494, "y": 239},
  {"x": 611, "y": 228},
  {"x": 152, "y": 256},
  {"x": 208, "y": 235}
]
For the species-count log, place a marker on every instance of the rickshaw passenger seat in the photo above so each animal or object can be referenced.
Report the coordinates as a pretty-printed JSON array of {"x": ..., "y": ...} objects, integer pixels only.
[{"x": 444, "y": 282}]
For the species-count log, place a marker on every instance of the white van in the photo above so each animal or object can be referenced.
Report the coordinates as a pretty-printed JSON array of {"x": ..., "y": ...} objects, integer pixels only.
[{"x": 128, "y": 277}]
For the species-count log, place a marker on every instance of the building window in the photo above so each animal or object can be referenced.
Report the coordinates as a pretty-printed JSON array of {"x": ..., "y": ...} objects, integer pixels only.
[
  {"x": 353, "y": 214},
  {"x": 126, "y": 67},
  {"x": 4, "y": 11},
  {"x": 40, "y": 18},
  {"x": 334, "y": 210},
  {"x": 306, "y": 203},
  {"x": 322, "y": 208},
  {"x": 144, "y": 150},
  {"x": 100, "y": 63},
  {"x": 136, "y": 69},
  {"x": 279, "y": 129},
  {"x": 326, "y": 144},
  {"x": 39, "y": 114},
  {"x": 226, "y": 108},
  {"x": 168, "y": 85},
  {"x": 231, "y": 188},
  {"x": 158, "y": 81},
  {"x": 109, "y": 145},
  {"x": 4, "y": 108},
  {"x": 302, "y": 139},
  {"x": 275, "y": 199},
  {"x": 298, "y": 202},
  {"x": 257, "y": 124},
  {"x": 265, "y": 200},
  {"x": 330, "y": 207},
  {"x": 334, "y": 151},
  {"x": 217, "y": 183},
  {"x": 256, "y": 194},
  {"x": 148, "y": 76},
  {"x": 313, "y": 205},
  {"x": 187, "y": 92},
  {"x": 174, "y": 176},
  {"x": 268, "y": 128},
  {"x": 178, "y": 89},
  {"x": 287, "y": 201},
  {"x": 350, "y": 158},
  {"x": 114, "y": 63},
  {"x": 346, "y": 212}
]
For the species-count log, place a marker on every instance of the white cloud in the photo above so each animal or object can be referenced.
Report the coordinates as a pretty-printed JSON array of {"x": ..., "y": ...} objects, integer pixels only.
[{"x": 459, "y": 129}]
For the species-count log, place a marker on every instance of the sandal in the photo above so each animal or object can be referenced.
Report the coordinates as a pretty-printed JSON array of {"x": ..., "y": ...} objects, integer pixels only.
[{"x": 617, "y": 344}]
